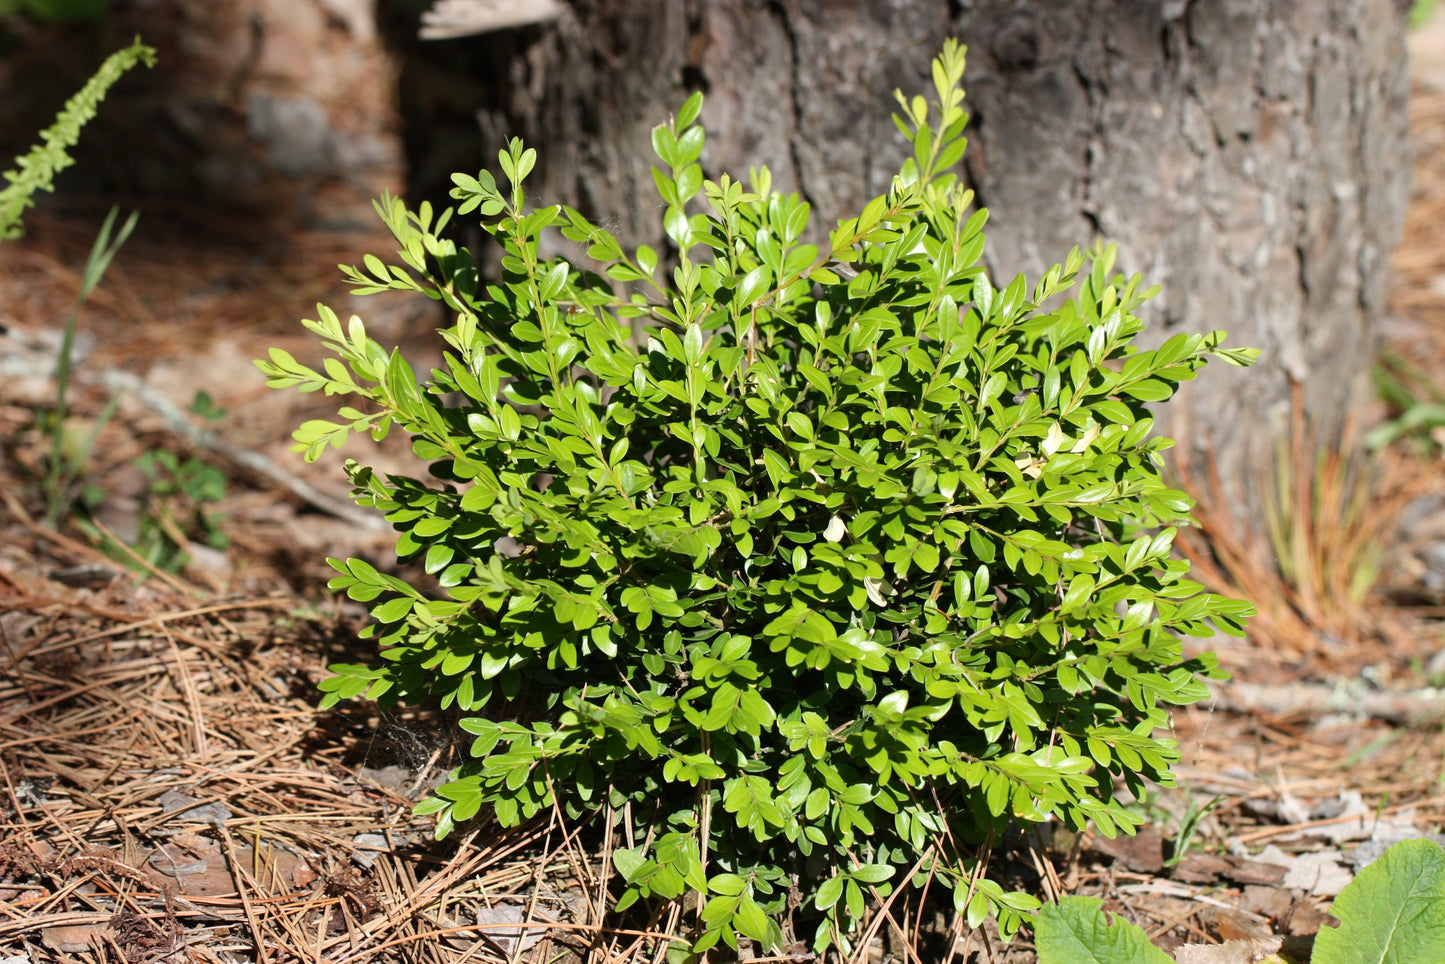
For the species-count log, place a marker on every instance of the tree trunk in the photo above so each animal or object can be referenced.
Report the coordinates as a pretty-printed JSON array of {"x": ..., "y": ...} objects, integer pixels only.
[{"x": 1248, "y": 155}]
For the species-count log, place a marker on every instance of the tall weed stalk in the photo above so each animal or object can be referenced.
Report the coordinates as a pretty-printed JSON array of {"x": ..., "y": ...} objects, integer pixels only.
[{"x": 35, "y": 172}]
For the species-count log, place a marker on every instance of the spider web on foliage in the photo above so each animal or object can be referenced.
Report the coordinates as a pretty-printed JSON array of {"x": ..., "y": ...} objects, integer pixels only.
[{"x": 412, "y": 739}]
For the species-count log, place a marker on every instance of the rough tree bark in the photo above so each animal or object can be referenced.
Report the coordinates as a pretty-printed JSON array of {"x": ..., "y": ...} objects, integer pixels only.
[{"x": 1248, "y": 155}]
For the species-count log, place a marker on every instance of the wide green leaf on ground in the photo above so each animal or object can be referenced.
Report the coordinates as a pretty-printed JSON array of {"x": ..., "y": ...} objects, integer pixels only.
[
  {"x": 1392, "y": 913},
  {"x": 1076, "y": 931}
]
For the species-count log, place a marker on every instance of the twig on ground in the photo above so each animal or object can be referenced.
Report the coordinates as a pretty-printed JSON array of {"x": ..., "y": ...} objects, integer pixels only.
[
  {"x": 1315, "y": 700},
  {"x": 178, "y": 424}
]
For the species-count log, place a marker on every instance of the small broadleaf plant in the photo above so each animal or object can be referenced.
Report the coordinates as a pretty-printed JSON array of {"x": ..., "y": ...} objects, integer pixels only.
[
  {"x": 809, "y": 568},
  {"x": 1393, "y": 911}
]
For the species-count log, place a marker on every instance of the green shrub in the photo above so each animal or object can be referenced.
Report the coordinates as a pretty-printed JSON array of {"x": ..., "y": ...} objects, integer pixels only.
[{"x": 854, "y": 560}]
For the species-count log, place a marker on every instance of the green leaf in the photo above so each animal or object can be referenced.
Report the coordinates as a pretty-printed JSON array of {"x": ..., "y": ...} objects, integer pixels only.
[
  {"x": 1076, "y": 931},
  {"x": 628, "y": 862},
  {"x": 1394, "y": 911},
  {"x": 751, "y": 921},
  {"x": 688, "y": 112},
  {"x": 829, "y": 893},
  {"x": 1149, "y": 390},
  {"x": 553, "y": 281},
  {"x": 678, "y": 228},
  {"x": 752, "y": 286},
  {"x": 873, "y": 873},
  {"x": 692, "y": 345},
  {"x": 689, "y": 146},
  {"x": 1238, "y": 357},
  {"x": 664, "y": 145}
]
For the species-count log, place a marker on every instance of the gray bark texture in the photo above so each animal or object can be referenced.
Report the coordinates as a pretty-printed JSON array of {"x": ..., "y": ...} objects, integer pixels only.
[{"x": 1250, "y": 156}]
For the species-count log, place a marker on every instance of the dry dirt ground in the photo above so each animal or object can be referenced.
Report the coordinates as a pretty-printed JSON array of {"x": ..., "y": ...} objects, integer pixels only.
[{"x": 169, "y": 793}]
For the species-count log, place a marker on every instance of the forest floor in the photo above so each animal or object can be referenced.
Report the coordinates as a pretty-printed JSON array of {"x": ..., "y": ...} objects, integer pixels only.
[{"x": 169, "y": 792}]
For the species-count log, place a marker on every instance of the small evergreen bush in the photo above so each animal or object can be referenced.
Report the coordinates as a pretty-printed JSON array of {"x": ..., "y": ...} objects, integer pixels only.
[{"x": 852, "y": 561}]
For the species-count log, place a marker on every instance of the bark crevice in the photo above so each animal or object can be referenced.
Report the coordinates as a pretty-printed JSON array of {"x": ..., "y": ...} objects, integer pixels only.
[{"x": 790, "y": 32}]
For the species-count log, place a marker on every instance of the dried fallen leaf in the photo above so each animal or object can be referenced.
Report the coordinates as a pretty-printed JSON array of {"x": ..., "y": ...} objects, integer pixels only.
[
  {"x": 71, "y": 938},
  {"x": 1235, "y": 925},
  {"x": 1320, "y": 874},
  {"x": 187, "y": 808},
  {"x": 1265, "y": 951},
  {"x": 1272, "y": 903},
  {"x": 1211, "y": 868},
  {"x": 198, "y": 864},
  {"x": 512, "y": 941},
  {"x": 1142, "y": 853}
]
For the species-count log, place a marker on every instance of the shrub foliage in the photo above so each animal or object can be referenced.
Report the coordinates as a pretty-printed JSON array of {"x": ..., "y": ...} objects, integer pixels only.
[{"x": 809, "y": 569}]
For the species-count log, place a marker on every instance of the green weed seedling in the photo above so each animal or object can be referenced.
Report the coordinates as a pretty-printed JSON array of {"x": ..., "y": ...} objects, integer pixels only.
[
  {"x": 1393, "y": 911},
  {"x": 70, "y": 449},
  {"x": 806, "y": 569},
  {"x": 181, "y": 492},
  {"x": 1189, "y": 823},
  {"x": 178, "y": 504},
  {"x": 1408, "y": 390}
]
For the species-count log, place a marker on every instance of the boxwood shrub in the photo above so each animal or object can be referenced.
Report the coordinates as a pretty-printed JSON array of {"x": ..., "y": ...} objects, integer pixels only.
[{"x": 808, "y": 565}]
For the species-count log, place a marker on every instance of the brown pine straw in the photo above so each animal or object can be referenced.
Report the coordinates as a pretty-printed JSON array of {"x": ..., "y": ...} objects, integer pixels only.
[
  {"x": 109, "y": 698},
  {"x": 1330, "y": 509}
]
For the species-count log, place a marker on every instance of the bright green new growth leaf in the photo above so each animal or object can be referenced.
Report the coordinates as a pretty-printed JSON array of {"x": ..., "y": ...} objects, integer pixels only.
[
  {"x": 822, "y": 561},
  {"x": 1077, "y": 931},
  {"x": 1392, "y": 913}
]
